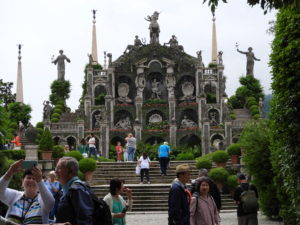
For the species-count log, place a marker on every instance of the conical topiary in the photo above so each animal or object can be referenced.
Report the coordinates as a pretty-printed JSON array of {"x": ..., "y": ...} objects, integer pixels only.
[{"x": 46, "y": 142}]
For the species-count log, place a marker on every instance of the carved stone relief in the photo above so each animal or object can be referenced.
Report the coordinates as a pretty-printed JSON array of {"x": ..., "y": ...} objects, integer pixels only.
[
  {"x": 123, "y": 91},
  {"x": 155, "y": 118},
  {"x": 188, "y": 91},
  {"x": 187, "y": 123},
  {"x": 124, "y": 123}
]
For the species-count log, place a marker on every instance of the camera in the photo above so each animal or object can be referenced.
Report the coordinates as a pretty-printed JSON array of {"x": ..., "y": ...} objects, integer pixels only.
[{"x": 125, "y": 209}]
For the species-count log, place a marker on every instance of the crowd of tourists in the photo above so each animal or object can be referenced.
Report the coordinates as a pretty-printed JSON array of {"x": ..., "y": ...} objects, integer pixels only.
[{"x": 68, "y": 200}]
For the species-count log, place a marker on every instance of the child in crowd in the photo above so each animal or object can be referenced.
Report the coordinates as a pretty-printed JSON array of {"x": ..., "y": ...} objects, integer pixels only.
[
  {"x": 119, "y": 150},
  {"x": 144, "y": 162},
  {"x": 125, "y": 154}
]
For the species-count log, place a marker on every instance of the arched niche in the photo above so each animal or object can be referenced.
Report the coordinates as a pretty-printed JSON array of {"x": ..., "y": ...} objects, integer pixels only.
[
  {"x": 155, "y": 86},
  {"x": 154, "y": 140},
  {"x": 117, "y": 139},
  {"x": 210, "y": 91},
  {"x": 56, "y": 140},
  {"x": 188, "y": 115},
  {"x": 99, "y": 94},
  {"x": 123, "y": 120},
  {"x": 72, "y": 142},
  {"x": 217, "y": 141},
  {"x": 190, "y": 140},
  {"x": 155, "y": 66},
  {"x": 97, "y": 119},
  {"x": 124, "y": 89},
  {"x": 155, "y": 116},
  {"x": 214, "y": 117},
  {"x": 185, "y": 89}
]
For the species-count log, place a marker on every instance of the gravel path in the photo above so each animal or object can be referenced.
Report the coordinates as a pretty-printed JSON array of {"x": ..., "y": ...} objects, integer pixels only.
[{"x": 161, "y": 219}]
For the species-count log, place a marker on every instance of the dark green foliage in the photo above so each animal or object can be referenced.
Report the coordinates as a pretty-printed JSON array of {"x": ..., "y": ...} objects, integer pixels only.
[
  {"x": 14, "y": 154},
  {"x": 46, "y": 142},
  {"x": 55, "y": 115},
  {"x": 220, "y": 156},
  {"x": 232, "y": 182},
  {"x": 58, "y": 151},
  {"x": 103, "y": 159},
  {"x": 39, "y": 131},
  {"x": 16, "y": 180},
  {"x": 100, "y": 99},
  {"x": 5, "y": 126},
  {"x": 54, "y": 120},
  {"x": 211, "y": 98},
  {"x": 155, "y": 101},
  {"x": 75, "y": 154},
  {"x": 60, "y": 92},
  {"x": 185, "y": 156},
  {"x": 19, "y": 112},
  {"x": 203, "y": 162},
  {"x": 87, "y": 165},
  {"x": 234, "y": 149},
  {"x": 218, "y": 174},
  {"x": 285, "y": 113},
  {"x": 6, "y": 96},
  {"x": 158, "y": 126},
  {"x": 39, "y": 125},
  {"x": 255, "y": 140}
]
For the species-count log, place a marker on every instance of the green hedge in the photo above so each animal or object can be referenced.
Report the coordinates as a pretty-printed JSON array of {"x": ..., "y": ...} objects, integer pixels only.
[
  {"x": 75, "y": 154},
  {"x": 220, "y": 156},
  {"x": 14, "y": 154},
  {"x": 234, "y": 149},
  {"x": 58, "y": 151},
  {"x": 232, "y": 182},
  {"x": 202, "y": 162},
  {"x": 185, "y": 156},
  {"x": 218, "y": 174}
]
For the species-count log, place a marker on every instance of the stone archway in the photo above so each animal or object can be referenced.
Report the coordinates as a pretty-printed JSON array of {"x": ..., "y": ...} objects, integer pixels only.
[
  {"x": 217, "y": 141},
  {"x": 155, "y": 140},
  {"x": 210, "y": 91},
  {"x": 72, "y": 142},
  {"x": 190, "y": 140},
  {"x": 99, "y": 94},
  {"x": 214, "y": 117},
  {"x": 123, "y": 120},
  {"x": 188, "y": 119},
  {"x": 56, "y": 140}
]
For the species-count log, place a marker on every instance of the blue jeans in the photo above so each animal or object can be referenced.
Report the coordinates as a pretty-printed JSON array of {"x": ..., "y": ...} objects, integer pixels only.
[
  {"x": 131, "y": 151},
  {"x": 163, "y": 162},
  {"x": 92, "y": 151}
]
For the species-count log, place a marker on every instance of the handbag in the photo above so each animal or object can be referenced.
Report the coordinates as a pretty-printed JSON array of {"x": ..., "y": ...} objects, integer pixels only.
[{"x": 138, "y": 170}]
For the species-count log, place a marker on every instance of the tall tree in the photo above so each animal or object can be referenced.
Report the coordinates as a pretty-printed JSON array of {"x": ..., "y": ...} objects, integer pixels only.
[
  {"x": 285, "y": 112},
  {"x": 6, "y": 95},
  {"x": 19, "y": 112}
]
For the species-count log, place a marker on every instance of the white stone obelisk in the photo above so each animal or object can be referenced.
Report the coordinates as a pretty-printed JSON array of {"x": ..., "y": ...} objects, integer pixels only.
[
  {"x": 94, "y": 39},
  {"x": 214, "y": 49},
  {"x": 19, "y": 94}
]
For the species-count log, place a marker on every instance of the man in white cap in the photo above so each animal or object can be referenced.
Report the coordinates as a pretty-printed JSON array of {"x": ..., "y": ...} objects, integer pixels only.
[
  {"x": 179, "y": 197},
  {"x": 163, "y": 155}
]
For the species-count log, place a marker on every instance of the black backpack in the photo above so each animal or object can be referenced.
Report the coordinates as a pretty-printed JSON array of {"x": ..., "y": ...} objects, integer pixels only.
[
  {"x": 249, "y": 200},
  {"x": 102, "y": 213}
]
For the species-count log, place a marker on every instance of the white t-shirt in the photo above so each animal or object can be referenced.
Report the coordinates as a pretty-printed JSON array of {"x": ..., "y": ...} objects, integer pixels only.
[
  {"x": 92, "y": 142},
  {"x": 144, "y": 162}
]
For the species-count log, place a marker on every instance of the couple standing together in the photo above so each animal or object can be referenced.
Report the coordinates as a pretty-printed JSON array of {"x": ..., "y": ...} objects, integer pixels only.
[{"x": 130, "y": 148}]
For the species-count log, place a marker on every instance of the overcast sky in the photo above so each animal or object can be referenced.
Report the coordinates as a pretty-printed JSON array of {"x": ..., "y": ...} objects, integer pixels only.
[{"x": 46, "y": 26}]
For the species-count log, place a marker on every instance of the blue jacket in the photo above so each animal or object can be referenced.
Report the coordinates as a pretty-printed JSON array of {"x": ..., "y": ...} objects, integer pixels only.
[
  {"x": 76, "y": 206},
  {"x": 179, "y": 210},
  {"x": 163, "y": 151}
]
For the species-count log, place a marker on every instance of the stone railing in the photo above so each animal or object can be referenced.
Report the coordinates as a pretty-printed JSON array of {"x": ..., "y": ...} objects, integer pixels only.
[
  {"x": 210, "y": 71},
  {"x": 238, "y": 123},
  {"x": 65, "y": 127}
]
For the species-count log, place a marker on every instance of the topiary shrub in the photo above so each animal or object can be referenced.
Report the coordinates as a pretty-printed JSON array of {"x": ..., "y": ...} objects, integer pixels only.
[
  {"x": 253, "y": 107},
  {"x": 14, "y": 154},
  {"x": 234, "y": 149},
  {"x": 87, "y": 165},
  {"x": 254, "y": 112},
  {"x": 232, "y": 182},
  {"x": 256, "y": 116},
  {"x": 218, "y": 174},
  {"x": 54, "y": 120},
  {"x": 57, "y": 111},
  {"x": 185, "y": 156},
  {"x": 58, "y": 151},
  {"x": 55, "y": 115},
  {"x": 220, "y": 156},
  {"x": 203, "y": 162},
  {"x": 103, "y": 159},
  {"x": 75, "y": 154}
]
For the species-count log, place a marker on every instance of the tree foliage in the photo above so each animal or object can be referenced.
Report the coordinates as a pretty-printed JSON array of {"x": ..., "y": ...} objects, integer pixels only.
[
  {"x": 255, "y": 140},
  {"x": 6, "y": 96},
  {"x": 19, "y": 112},
  {"x": 285, "y": 112},
  {"x": 60, "y": 92}
]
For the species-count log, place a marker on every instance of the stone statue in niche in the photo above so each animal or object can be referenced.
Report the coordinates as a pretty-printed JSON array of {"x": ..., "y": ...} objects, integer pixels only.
[
  {"x": 123, "y": 91},
  {"x": 155, "y": 118},
  {"x": 213, "y": 118},
  {"x": 140, "y": 84},
  {"x": 99, "y": 118},
  {"x": 188, "y": 91},
  {"x": 123, "y": 123},
  {"x": 155, "y": 89},
  {"x": 170, "y": 82},
  {"x": 187, "y": 123}
]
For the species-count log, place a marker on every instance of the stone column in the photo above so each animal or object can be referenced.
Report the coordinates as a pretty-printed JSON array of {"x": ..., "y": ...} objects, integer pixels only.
[
  {"x": 109, "y": 106},
  {"x": 138, "y": 131},
  {"x": 88, "y": 109},
  {"x": 205, "y": 142},
  {"x": 31, "y": 152},
  {"x": 80, "y": 129},
  {"x": 228, "y": 132},
  {"x": 47, "y": 124},
  {"x": 173, "y": 132},
  {"x": 201, "y": 110},
  {"x": 199, "y": 80},
  {"x": 220, "y": 88},
  {"x": 138, "y": 109},
  {"x": 104, "y": 139}
]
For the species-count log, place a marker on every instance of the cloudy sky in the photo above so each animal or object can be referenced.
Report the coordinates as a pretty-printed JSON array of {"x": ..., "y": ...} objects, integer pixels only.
[{"x": 45, "y": 26}]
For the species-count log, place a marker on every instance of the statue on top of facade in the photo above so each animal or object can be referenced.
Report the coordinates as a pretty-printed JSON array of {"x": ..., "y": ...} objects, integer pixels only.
[
  {"x": 60, "y": 61},
  {"x": 187, "y": 123},
  {"x": 137, "y": 44},
  {"x": 174, "y": 43},
  {"x": 250, "y": 60},
  {"x": 155, "y": 89},
  {"x": 153, "y": 27},
  {"x": 47, "y": 110},
  {"x": 220, "y": 59},
  {"x": 199, "y": 57}
]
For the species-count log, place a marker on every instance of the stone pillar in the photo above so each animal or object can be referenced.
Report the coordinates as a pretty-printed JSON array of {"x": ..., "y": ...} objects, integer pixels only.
[
  {"x": 138, "y": 131},
  {"x": 221, "y": 85},
  {"x": 31, "y": 152},
  {"x": 138, "y": 109},
  {"x": 173, "y": 132},
  {"x": 199, "y": 80},
  {"x": 228, "y": 133},
  {"x": 104, "y": 139},
  {"x": 205, "y": 142},
  {"x": 109, "y": 110},
  {"x": 80, "y": 129},
  {"x": 172, "y": 112},
  {"x": 47, "y": 124},
  {"x": 201, "y": 110},
  {"x": 88, "y": 110}
]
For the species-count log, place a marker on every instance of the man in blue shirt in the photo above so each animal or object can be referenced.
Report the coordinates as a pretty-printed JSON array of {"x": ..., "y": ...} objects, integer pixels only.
[{"x": 163, "y": 155}]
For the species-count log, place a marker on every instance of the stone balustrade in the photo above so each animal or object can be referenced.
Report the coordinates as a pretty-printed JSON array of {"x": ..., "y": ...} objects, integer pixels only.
[{"x": 64, "y": 126}]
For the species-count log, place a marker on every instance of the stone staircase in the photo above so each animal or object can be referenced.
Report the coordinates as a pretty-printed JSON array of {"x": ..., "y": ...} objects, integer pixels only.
[
  {"x": 242, "y": 114},
  {"x": 146, "y": 197}
]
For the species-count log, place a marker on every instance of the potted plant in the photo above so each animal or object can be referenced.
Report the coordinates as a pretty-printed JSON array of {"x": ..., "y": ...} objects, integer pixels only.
[
  {"x": 87, "y": 166},
  {"x": 58, "y": 152},
  {"x": 203, "y": 162},
  {"x": 219, "y": 176},
  {"x": 220, "y": 157},
  {"x": 46, "y": 145},
  {"x": 234, "y": 150}
]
